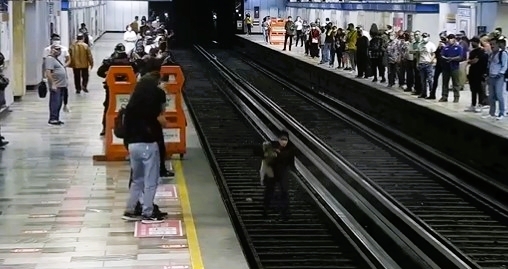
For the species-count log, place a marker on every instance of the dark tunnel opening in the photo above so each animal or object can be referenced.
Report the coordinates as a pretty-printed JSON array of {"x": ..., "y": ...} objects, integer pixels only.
[{"x": 198, "y": 22}]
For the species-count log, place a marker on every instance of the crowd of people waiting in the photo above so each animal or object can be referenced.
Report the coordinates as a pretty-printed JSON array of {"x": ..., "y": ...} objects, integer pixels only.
[
  {"x": 409, "y": 59},
  {"x": 146, "y": 49}
]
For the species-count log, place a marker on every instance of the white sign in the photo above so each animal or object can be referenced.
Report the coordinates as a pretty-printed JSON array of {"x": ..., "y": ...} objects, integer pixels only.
[
  {"x": 161, "y": 231},
  {"x": 121, "y": 101},
  {"x": 171, "y": 135},
  {"x": 170, "y": 102}
]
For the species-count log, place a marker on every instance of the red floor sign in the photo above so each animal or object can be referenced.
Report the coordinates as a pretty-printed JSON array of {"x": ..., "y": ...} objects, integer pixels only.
[{"x": 166, "y": 228}]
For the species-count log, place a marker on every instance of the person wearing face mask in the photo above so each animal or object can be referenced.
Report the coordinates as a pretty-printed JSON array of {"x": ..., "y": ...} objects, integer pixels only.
[
  {"x": 58, "y": 81},
  {"x": 119, "y": 57},
  {"x": 281, "y": 164},
  {"x": 81, "y": 63},
  {"x": 314, "y": 34},
  {"x": 290, "y": 28},
  {"x": 362, "y": 54},
  {"x": 414, "y": 79},
  {"x": 452, "y": 56},
  {"x": 328, "y": 40},
  {"x": 496, "y": 73},
  {"x": 426, "y": 61},
  {"x": 438, "y": 68},
  {"x": 299, "y": 31},
  {"x": 351, "y": 37},
  {"x": 156, "y": 23},
  {"x": 394, "y": 58},
  {"x": 64, "y": 58},
  {"x": 478, "y": 64},
  {"x": 130, "y": 37}
]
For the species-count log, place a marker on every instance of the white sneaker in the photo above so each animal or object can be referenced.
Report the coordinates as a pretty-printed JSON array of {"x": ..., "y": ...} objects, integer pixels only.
[
  {"x": 488, "y": 117},
  {"x": 500, "y": 117},
  {"x": 66, "y": 109},
  {"x": 478, "y": 109}
]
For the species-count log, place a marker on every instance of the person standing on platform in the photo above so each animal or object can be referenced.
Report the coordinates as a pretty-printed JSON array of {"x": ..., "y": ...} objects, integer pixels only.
[
  {"x": 81, "y": 63},
  {"x": 64, "y": 58},
  {"x": 362, "y": 54},
  {"x": 314, "y": 36},
  {"x": 438, "y": 68},
  {"x": 478, "y": 66},
  {"x": 452, "y": 55},
  {"x": 426, "y": 60},
  {"x": 119, "y": 57},
  {"x": 135, "y": 25},
  {"x": 248, "y": 23},
  {"x": 299, "y": 31},
  {"x": 394, "y": 58},
  {"x": 351, "y": 38},
  {"x": 144, "y": 118},
  {"x": 377, "y": 50},
  {"x": 130, "y": 37},
  {"x": 281, "y": 165},
  {"x": 328, "y": 40},
  {"x": 58, "y": 81},
  {"x": 413, "y": 72},
  {"x": 290, "y": 32},
  {"x": 498, "y": 65}
]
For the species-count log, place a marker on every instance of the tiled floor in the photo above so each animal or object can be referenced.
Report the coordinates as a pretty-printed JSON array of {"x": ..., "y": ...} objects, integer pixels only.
[
  {"x": 453, "y": 109},
  {"x": 60, "y": 210}
]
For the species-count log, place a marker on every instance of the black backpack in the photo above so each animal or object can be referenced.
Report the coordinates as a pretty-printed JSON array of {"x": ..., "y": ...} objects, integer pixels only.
[
  {"x": 119, "y": 129},
  {"x": 500, "y": 55}
]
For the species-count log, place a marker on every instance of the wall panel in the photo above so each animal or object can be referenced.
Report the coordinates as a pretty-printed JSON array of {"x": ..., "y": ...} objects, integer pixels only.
[{"x": 121, "y": 13}]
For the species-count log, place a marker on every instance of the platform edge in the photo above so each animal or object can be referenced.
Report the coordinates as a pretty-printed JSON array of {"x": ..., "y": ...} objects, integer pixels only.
[{"x": 188, "y": 219}]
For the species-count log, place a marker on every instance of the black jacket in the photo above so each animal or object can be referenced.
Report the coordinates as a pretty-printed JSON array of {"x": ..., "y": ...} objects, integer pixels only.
[
  {"x": 120, "y": 59},
  {"x": 285, "y": 159}
]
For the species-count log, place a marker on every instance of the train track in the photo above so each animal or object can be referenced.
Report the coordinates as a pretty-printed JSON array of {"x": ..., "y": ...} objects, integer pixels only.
[
  {"x": 465, "y": 222},
  {"x": 305, "y": 241}
]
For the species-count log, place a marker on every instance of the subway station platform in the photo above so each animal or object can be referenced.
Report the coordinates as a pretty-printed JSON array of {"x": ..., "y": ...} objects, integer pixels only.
[
  {"x": 455, "y": 110},
  {"x": 59, "y": 209}
]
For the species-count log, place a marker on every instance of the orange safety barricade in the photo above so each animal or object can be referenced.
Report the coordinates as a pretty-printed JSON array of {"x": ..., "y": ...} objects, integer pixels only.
[
  {"x": 277, "y": 31},
  {"x": 175, "y": 135},
  {"x": 121, "y": 81}
]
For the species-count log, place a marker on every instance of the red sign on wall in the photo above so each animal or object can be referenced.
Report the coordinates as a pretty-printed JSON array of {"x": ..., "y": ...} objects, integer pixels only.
[{"x": 166, "y": 228}]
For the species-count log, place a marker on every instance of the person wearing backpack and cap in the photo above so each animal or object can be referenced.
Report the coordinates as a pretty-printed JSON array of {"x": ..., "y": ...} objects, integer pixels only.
[{"x": 498, "y": 65}]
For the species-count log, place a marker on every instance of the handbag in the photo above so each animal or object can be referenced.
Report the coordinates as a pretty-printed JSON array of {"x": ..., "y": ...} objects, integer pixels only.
[{"x": 42, "y": 88}]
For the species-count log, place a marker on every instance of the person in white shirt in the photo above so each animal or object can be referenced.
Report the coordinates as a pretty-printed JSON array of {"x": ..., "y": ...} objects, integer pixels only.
[
  {"x": 130, "y": 37},
  {"x": 64, "y": 58},
  {"x": 299, "y": 31},
  {"x": 426, "y": 60}
]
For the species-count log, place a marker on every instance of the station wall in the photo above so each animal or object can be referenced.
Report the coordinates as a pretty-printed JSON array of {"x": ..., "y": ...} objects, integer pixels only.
[
  {"x": 122, "y": 13},
  {"x": 258, "y": 9}
]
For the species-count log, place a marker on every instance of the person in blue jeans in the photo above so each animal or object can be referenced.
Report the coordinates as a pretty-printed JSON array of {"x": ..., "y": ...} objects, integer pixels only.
[
  {"x": 498, "y": 64},
  {"x": 452, "y": 55},
  {"x": 143, "y": 122},
  {"x": 58, "y": 81}
]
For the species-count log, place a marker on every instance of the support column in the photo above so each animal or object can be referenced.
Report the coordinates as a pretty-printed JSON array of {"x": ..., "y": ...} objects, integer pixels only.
[{"x": 17, "y": 57}]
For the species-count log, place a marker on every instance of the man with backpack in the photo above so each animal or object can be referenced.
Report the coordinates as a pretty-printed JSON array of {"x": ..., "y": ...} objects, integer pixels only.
[
  {"x": 497, "y": 73},
  {"x": 143, "y": 122}
]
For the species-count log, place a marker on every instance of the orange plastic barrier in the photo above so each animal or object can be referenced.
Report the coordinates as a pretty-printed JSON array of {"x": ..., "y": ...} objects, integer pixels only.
[
  {"x": 121, "y": 81},
  {"x": 277, "y": 31},
  {"x": 175, "y": 135}
]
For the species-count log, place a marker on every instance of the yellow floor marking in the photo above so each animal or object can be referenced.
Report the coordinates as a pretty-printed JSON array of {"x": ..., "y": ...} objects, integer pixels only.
[{"x": 188, "y": 220}]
